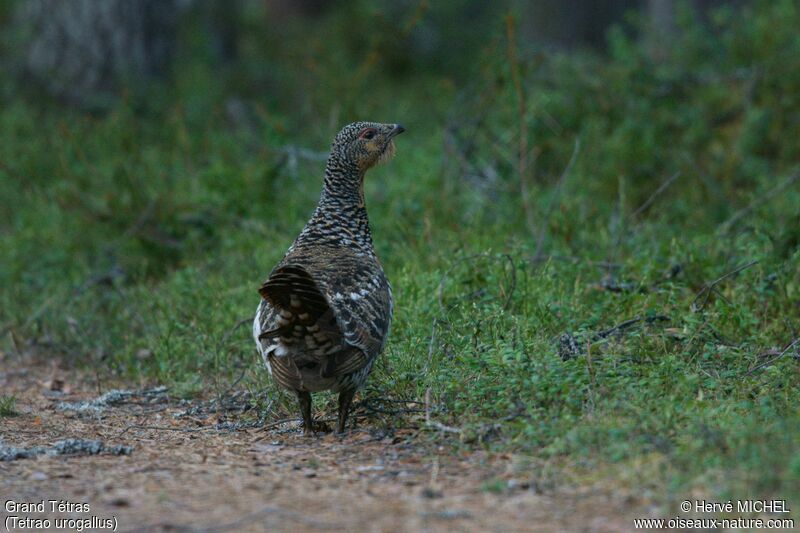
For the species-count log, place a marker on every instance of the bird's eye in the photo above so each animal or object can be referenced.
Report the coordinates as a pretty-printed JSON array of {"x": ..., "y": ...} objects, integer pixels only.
[{"x": 367, "y": 134}]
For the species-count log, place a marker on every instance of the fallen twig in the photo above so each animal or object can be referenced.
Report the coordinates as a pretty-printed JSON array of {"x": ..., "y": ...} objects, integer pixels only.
[
  {"x": 432, "y": 424},
  {"x": 161, "y": 428},
  {"x": 627, "y": 324},
  {"x": 277, "y": 423},
  {"x": 664, "y": 186},
  {"x": 473, "y": 434},
  {"x": 569, "y": 346},
  {"x": 111, "y": 398},
  {"x": 238, "y": 402},
  {"x": 709, "y": 287},
  {"x": 785, "y": 184},
  {"x": 280, "y": 422},
  {"x": 443, "y": 427},
  {"x": 366, "y": 405},
  {"x": 63, "y": 447},
  {"x": 390, "y": 412},
  {"x": 771, "y": 361}
]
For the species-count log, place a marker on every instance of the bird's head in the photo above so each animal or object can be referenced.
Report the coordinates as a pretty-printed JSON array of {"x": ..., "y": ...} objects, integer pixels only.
[{"x": 365, "y": 144}]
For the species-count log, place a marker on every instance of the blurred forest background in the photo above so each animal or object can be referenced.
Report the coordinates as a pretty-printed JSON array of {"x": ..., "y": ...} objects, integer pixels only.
[{"x": 592, "y": 225}]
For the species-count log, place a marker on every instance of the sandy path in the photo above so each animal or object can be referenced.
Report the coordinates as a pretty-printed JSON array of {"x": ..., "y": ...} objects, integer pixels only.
[{"x": 269, "y": 480}]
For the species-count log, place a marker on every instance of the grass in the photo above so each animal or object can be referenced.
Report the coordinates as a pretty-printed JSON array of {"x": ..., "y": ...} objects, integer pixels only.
[
  {"x": 8, "y": 406},
  {"x": 135, "y": 242}
]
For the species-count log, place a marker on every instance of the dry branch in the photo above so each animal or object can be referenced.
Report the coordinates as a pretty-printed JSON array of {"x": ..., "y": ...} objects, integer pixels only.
[
  {"x": 663, "y": 187},
  {"x": 785, "y": 184},
  {"x": 570, "y": 347},
  {"x": 160, "y": 428},
  {"x": 771, "y": 361},
  {"x": 705, "y": 292},
  {"x": 627, "y": 324}
]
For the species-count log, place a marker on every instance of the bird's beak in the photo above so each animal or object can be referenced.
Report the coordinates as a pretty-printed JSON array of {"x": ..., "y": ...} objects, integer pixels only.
[{"x": 396, "y": 130}]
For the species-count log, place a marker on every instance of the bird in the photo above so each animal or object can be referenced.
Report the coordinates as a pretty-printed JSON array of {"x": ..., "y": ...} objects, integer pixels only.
[{"x": 326, "y": 307}]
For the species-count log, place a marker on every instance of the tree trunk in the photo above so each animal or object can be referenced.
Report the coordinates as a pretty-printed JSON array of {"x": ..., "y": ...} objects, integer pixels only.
[{"x": 83, "y": 51}]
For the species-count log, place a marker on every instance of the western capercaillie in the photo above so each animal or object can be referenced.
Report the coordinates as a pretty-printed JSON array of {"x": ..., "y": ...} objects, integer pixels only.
[{"x": 326, "y": 307}]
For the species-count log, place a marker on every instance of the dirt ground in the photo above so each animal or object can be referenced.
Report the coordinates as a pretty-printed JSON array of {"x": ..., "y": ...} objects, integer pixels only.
[{"x": 183, "y": 475}]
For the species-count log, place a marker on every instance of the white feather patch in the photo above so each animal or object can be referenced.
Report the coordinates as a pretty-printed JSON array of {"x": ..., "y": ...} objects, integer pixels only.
[{"x": 281, "y": 350}]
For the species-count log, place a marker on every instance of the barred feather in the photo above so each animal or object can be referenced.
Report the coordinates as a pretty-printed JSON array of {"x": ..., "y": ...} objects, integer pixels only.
[{"x": 327, "y": 306}]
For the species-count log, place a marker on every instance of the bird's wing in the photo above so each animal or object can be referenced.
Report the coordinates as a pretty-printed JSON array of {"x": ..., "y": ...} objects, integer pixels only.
[
  {"x": 361, "y": 299},
  {"x": 291, "y": 288},
  {"x": 299, "y": 301},
  {"x": 344, "y": 362}
]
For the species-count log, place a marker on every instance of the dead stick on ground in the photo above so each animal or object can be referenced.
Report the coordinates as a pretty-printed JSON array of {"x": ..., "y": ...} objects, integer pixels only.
[
  {"x": 277, "y": 423},
  {"x": 627, "y": 324},
  {"x": 708, "y": 287},
  {"x": 161, "y": 428},
  {"x": 663, "y": 187},
  {"x": 442, "y": 427},
  {"x": 390, "y": 412},
  {"x": 771, "y": 361},
  {"x": 392, "y": 400},
  {"x": 785, "y": 184},
  {"x": 435, "y": 425}
]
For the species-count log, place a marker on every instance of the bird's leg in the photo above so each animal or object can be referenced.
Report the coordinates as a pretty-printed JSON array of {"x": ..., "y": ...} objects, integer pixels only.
[
  {"x": 309, "y": 424},
  {"x": 345, "y": 399},
  {"x": 305, "y": 409}
]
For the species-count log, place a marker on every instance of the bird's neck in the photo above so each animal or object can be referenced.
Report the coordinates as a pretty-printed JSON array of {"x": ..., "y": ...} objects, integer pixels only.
[
  {"x": 342, "y": 202},
  {"x": 344, "y": 184}
]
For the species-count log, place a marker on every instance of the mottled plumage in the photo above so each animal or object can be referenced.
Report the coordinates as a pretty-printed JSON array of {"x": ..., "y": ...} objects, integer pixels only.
[{"x": 327, "y": 305}]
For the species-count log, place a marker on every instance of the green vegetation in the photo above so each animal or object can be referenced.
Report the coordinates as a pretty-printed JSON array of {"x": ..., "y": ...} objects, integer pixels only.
[
  {"x": 8, "y": 406},
  {"x": 134, "y": 242}
]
